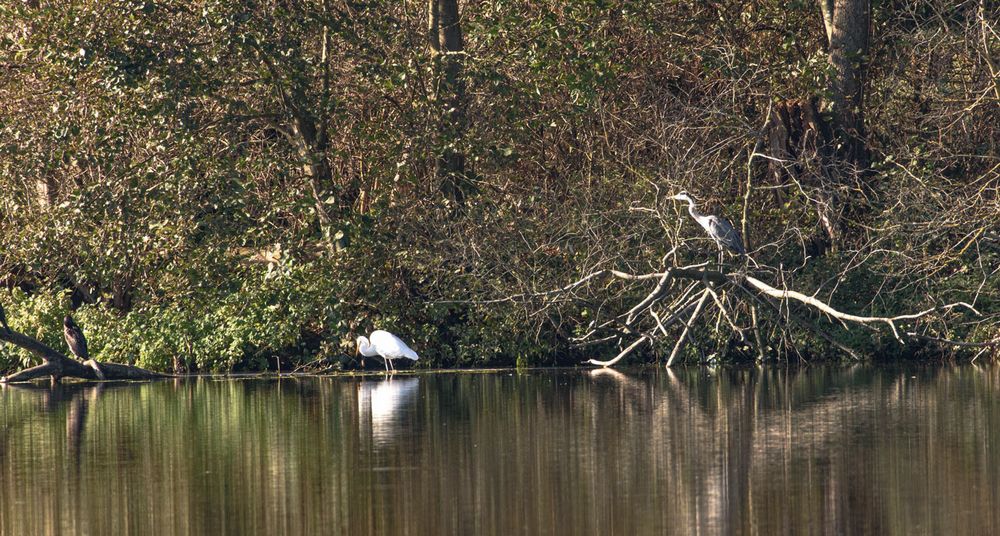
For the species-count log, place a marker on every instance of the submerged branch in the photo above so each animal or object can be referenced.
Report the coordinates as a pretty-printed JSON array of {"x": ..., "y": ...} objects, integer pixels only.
[{"x": 621, "y": 355}]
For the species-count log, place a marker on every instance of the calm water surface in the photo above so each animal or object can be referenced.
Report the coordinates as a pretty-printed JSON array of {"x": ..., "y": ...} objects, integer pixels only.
[{"x": 816, "y": 450}]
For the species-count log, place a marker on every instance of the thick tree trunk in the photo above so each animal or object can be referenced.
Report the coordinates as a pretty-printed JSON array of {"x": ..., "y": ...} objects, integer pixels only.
[
  {"x": 848, "y": 24},
  {"x": 802, "y": 143},
  {"x": 828, "y": 153},
  {"x": 444, "y": 33}
]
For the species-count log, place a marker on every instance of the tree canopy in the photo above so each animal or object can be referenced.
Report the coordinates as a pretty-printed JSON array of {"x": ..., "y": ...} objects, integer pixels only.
[{"x": 219, "y": 185}]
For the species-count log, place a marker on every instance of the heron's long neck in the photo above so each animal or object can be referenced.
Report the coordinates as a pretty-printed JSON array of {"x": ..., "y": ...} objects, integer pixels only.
[{"x": 692, "y": 210}]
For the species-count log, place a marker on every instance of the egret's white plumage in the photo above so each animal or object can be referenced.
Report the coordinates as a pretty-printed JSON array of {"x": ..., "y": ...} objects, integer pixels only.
[{"x": 385, "y": 345}]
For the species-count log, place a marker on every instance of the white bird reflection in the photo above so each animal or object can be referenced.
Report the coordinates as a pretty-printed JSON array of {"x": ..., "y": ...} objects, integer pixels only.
[
  {"x": 381, "y": 404},
  {"x": 609, "y": 373}
]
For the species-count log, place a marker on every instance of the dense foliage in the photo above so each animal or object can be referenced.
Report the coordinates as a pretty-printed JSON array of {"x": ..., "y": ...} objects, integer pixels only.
[{"x": 217, "y": 185}]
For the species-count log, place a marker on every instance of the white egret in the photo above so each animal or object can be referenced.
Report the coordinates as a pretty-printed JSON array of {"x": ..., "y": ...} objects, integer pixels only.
[{"x": 385, "y": 345}]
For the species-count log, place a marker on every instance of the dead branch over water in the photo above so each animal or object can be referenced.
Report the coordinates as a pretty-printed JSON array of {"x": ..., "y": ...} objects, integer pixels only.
[
  {"x": 663, "y": 309},
  {"x": 56, "y": 365}
]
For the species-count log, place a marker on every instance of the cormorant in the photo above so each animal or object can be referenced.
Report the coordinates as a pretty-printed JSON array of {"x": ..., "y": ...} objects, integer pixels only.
[{"x": 75, "y": 339}]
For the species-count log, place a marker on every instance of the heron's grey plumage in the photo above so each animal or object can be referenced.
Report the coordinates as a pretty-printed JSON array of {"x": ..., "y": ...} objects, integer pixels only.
[
  {"x": 724, "y": 233},
  {"x": 718, "y": 228},
  {"x": 75, "y": 339}
]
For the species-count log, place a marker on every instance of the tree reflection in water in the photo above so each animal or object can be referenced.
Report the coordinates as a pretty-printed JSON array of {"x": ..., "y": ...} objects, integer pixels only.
[{"x": 858, "y": 449}]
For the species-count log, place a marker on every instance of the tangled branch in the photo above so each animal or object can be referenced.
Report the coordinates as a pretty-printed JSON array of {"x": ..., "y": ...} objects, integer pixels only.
[{"x": 665, "y": 309}]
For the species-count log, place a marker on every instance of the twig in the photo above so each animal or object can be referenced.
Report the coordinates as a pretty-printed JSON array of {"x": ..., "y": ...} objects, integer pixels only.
[
  {"x": 515, "y": 297},
  {"x": 722, "y": 309}
]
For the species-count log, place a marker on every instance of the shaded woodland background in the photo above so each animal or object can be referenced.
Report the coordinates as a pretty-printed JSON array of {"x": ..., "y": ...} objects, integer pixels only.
[{"x": 223, "y": 185}]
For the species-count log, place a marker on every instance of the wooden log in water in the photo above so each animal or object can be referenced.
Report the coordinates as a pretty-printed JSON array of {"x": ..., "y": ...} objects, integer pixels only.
[{"x": 56, "y": 365}]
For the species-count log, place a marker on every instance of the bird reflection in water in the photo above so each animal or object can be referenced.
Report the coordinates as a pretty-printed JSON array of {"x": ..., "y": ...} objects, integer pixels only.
[
  {"x": 608, "y": 373},
  {"x": 381, "y": 405}
]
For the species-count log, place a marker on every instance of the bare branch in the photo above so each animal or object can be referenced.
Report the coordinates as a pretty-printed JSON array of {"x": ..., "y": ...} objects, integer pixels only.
[
  {"x": 687, "y": 328},
  {"x": 619, "y": 357}
]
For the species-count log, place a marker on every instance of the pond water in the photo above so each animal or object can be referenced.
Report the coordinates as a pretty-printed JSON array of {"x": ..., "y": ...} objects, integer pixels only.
[{"x": 807, "y": 450}]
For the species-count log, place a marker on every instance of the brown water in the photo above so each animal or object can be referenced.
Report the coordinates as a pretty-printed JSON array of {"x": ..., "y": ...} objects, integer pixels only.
[{"x": 817, "y": 450}]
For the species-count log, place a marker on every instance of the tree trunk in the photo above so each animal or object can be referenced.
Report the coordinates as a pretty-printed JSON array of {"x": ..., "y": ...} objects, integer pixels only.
[
  {"x": 444, "y": 33},
  {"x": 308, "y": 135},
  {"x": 828, "y": 153},
  {"x": 312, "y": 145},
  {"x": 848, "y": 24},
  {"x": 47, "y": 190}
]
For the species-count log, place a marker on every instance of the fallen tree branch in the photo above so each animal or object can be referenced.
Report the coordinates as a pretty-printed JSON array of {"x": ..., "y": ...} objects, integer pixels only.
[
  {"x": 619, "y": 357},
  {"x": 56, "y": 365},
  {"x": 813, "y": 302},
  {"x": 650, "y": 298},
  {"x": 783, "y": 315},
  {"x": 720, "y": 277},
  {"x": 755, "y": 290}
]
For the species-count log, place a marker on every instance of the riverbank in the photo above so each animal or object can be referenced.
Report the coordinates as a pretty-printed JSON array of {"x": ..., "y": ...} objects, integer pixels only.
[{"x": 247, "y": 188}]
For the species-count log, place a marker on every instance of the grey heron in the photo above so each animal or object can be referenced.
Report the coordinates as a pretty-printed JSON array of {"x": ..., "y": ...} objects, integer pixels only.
[{"x": 718, "y": 228}]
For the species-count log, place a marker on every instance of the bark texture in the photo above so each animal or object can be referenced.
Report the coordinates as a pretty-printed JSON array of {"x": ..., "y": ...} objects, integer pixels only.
[
  {"x": 447, "y": 46},
  {"x": 848, "y": 25}
]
